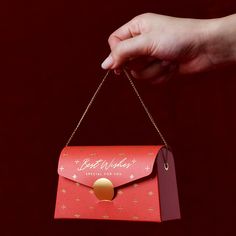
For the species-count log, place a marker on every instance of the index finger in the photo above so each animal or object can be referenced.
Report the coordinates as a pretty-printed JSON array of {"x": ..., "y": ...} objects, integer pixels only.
[{"x": 126, "y": 31}]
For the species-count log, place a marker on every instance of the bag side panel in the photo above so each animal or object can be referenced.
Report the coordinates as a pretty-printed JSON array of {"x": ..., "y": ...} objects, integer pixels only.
[{"x": 168, "y": 191}]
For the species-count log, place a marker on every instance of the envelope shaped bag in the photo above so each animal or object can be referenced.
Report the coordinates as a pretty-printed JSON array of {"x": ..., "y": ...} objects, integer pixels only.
[{"x": 133, "y": 183}]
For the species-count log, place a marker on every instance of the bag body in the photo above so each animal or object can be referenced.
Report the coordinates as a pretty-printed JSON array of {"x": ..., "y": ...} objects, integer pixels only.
[{"x": 144, "y": 185}]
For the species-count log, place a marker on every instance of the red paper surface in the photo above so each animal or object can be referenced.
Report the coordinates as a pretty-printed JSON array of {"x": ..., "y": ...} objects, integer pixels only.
[{"x": 129, "y": 168}]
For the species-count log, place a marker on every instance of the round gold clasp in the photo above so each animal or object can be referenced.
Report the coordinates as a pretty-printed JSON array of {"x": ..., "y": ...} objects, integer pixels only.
[{"x": 103, "y": 189}]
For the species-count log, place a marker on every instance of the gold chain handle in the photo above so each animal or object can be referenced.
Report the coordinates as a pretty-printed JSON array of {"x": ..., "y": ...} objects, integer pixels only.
[{"x": 139, "y": 97}]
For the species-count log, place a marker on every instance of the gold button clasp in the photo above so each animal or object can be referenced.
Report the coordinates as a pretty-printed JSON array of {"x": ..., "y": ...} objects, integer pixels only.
[{"x": 103, "y": 189}]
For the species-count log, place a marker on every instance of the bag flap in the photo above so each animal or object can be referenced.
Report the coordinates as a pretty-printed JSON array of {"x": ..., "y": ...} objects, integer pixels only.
[{"x": 119, "y": 164}]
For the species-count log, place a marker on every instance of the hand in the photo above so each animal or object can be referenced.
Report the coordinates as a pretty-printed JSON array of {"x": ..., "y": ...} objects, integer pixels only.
[{"x": 155, "y": 46}]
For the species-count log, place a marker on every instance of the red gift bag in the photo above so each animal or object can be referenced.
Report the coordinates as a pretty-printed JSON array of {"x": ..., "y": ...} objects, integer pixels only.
[{"x": 133, "y": 183}]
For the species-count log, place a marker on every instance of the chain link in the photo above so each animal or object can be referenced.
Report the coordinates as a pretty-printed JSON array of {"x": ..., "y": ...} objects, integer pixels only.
[
  {"x": 87, "y": 108},
  {"x": 139, "y": 97},
  {"x": 145, "y": 108}
]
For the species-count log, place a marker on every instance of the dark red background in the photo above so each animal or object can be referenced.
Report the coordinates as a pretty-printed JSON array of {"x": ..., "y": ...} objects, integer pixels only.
[{"x": 51, "y": 53}]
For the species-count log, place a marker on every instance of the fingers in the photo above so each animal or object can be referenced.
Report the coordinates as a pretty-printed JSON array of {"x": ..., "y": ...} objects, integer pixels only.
[
  {"x": 166, "y": 76},
  {"x": 129, "y": 48},
  {"x": 148, "y": 73},
  {"x": 126, "y": 31},
  {"x": 153, "y": 70},
  {"x": 119, "y": 35},
  {"x": 140, "y": 63},
  {"x": 136, "y": 64},
  {"x": 119, "y": 41},
  {"x": 157, "y": 72},
  {"x": 162, "y": 79}
]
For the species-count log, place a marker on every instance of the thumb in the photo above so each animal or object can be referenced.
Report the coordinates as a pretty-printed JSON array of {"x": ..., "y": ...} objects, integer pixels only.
[{"x": 125, "y": 50}]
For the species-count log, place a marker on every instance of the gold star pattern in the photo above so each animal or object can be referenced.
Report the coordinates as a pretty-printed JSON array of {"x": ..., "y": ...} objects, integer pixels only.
[
  {"x": 61, "y": 168},
  {"x": 150, "y": 193},
  {"x": 74, "y": 176},
  {"x": 63, "y": 207},
  {"x": 135, "y": 185},
  {"x": 147, "y": 168},
  {"x": 63, "y": 190},
  {"x": 92, "y": 154},
  {"x": 121, "y": 154},
  {"x": 131, "y": 176},
  {"x": 77, "y": 199},
  {"x": 150, "y": 209},
  {"x": 150, "y": 153},
  {"x": 135, "y": 217},
  {"x": 105, "y": 217},
  {"x": 77, "y": 215},
  {"x": 120, "y": 192},
  {"x": 91, "y": 191},
  {"x": 135, "y": 201}
]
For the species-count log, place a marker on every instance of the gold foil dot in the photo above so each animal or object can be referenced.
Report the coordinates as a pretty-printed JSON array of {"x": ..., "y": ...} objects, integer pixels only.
[
  {"x": 103, "y": 189},
  {"x": 120, "y": 192},
  {"x": 135, "y": 217},
  {"x": 77, "y": 215},
  {"x": 77, "y": 199},
  {"x": 105, "y": 217}
]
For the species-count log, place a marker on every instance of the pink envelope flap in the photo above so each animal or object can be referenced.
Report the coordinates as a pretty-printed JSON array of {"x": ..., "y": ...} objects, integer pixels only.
[{"x": 119, "y": 164}]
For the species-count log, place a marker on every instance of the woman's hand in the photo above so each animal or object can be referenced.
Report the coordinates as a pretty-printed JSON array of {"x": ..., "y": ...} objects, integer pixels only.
[{"x": 155, "y": 46}]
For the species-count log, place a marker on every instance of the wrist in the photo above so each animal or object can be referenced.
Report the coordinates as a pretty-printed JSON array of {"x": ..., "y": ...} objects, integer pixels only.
[{"x": 220, "y": 39}]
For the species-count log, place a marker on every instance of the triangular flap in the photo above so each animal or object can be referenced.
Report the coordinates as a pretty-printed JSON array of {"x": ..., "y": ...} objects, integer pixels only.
[{"x": 119, "y": 164}]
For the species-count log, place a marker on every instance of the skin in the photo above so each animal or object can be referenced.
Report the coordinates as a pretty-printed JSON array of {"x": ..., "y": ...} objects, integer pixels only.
[{"x": 155, "y": 47}]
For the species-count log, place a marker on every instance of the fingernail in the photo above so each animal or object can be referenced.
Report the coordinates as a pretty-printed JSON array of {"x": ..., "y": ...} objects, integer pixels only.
[{"x": 107, "y": 63}]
